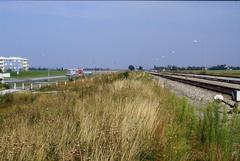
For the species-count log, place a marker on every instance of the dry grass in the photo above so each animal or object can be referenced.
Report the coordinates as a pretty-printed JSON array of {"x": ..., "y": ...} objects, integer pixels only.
[{"x": 107, "y": 117}]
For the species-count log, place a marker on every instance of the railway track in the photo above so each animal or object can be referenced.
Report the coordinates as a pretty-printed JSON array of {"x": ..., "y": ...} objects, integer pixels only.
[
  {"x": 229, "y": 90},
  {"x": 232, "y": 80}
]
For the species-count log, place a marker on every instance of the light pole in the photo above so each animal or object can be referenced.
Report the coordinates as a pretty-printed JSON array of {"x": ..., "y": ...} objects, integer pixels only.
[
  {"x": 17, "y": 73},
  {"x": 2, "y": 81},
  {"x": 48, "y": 74}
]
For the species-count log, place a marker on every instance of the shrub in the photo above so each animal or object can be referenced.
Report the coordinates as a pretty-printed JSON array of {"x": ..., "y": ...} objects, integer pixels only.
[
  {"x": 4, "y": 86},
  {"x": 7, "y": 98}
]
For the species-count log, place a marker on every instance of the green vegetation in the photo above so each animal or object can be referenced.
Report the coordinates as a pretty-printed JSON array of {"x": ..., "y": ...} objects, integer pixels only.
[
  {"x": 4, "y": 86},
  {"x": 112, "y": 117},
  {"x": 36, "y": 73},
  {"x": 131, "y": 67}
]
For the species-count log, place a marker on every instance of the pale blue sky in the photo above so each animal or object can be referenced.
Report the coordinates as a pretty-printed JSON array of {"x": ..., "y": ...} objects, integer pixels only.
[{"x": 115, "y": 34}]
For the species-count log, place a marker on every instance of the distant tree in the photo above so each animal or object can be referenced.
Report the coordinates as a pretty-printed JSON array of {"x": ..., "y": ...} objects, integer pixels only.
[
  {"x": 219, "y": 67},
  {"x": 140, "y": 68},
  {"x": 155, "y": 67},
  {"x": 131, "y": 67}
]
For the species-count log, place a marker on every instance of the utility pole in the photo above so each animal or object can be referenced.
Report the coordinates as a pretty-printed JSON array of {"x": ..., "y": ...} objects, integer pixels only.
[{"x": 48, "y": 74}]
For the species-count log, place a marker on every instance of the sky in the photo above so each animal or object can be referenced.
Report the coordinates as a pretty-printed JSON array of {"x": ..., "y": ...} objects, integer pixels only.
[{"x": 114, "y": 34}]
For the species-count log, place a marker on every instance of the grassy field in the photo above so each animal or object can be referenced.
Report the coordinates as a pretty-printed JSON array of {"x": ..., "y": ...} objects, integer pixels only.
[
  {"x": 114, "y": 117},
  {"x": 233, "y": 73},
  {"x": 36, "y": 73}
]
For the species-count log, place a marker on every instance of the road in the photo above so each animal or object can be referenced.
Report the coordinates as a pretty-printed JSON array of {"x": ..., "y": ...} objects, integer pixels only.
[
  {"x": 29, "y": 80},
  {"x": 3, "y": 92},
  {"x": 39, "y": 79}
]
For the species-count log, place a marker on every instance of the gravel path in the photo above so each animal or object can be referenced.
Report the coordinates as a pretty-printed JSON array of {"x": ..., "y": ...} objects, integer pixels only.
[{"x": 197, "y": 96}]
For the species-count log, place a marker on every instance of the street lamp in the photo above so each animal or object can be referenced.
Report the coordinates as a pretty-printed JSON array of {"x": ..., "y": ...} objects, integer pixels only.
[{"x": 48, "y": 74}]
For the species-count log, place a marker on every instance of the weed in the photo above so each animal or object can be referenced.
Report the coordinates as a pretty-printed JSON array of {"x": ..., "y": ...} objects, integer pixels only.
[{"x": 114, "y": 117}]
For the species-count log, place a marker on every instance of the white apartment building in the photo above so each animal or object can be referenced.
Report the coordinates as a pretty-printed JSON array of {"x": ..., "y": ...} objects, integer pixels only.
[{"x": 13, "y": 63}]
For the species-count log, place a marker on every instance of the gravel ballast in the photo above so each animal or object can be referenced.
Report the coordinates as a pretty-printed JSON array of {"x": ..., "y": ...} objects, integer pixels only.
[{"x": 197, "y": 96}]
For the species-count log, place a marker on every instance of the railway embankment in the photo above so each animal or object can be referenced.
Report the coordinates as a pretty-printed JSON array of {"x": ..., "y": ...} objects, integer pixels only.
[{"x": 196, "y": 95}]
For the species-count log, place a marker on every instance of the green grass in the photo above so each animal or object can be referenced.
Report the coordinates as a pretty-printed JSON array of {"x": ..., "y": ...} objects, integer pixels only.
[
  {"x": 36, "y": 73},
  {"x": 114, "y": 117},
  {"x": 4, "y": 86},
  {"x": 234, "y": 73}
]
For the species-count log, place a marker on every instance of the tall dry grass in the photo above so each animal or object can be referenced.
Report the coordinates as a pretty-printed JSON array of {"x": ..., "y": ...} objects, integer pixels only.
[{"x": 111, "y": 117}]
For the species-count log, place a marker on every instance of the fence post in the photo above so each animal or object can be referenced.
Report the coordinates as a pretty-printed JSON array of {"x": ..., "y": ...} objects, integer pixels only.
[
  {"x": 39, "y": 86},
  {"x": 65, "y": 83},
  {"x": 74, "y": 81},
  {"x": 56, "y": 83},
  {"x": 23, "y": 86},
  {"x": 15, "y": 86},
  {"x": 31, "y": 86}
]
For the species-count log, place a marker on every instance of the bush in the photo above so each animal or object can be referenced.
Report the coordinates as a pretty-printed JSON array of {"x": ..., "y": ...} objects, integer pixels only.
[
  {"x": 124, "y": 75},
  {"x": 7, "y": 98},
  {"x": 131, "y": 67},
  {"x": 4, "y": 86}
]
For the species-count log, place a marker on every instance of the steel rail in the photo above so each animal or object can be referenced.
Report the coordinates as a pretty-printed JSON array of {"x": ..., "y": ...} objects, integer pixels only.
[
  {"x": 212, "y": 78},
  {"x": 217, "y": 88},
  {"x": 210, "y": 74}
]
